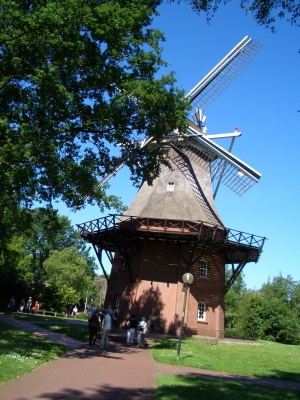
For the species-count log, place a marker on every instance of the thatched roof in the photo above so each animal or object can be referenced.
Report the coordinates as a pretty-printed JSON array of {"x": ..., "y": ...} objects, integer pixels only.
[{"x": 191, "y": 198}]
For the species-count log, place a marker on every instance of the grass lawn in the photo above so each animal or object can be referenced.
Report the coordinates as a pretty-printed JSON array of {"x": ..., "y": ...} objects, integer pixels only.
[
  {"x": 79, "y": 332},
  {"x": 267, "y": 360},
  {"x": 22, "y": 352},
  {"x": 171, "y": 387},
  {"x": 36, "y": 317}
]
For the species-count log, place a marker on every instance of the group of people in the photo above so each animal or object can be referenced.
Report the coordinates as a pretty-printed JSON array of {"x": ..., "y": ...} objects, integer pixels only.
[
  {"x": 102, "y": 320},
  {"x": 73, "y": 311},
  {"x": 24, "y": 307},
  {"x": 114, "y": 313},
  {"x": 27, "y": 307},
  {"x": 134, "y": 326}
]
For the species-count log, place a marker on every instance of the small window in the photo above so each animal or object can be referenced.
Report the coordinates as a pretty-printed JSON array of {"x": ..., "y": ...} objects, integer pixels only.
[
  {"x": 203, "y": 269},
  {"x": 201, "y": 312},
  {"x": 170, "y": 187},
  {"x": 124, "y": 265}
]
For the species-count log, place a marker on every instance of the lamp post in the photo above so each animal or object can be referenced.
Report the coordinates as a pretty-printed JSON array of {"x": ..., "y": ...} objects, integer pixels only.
[{"x": 187, "y": 280}]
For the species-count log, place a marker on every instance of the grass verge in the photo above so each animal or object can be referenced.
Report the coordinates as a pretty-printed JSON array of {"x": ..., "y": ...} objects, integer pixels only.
[
  {"x": 266, "y": 360},
  {"x": 170, "y": 387},
  {"x": 79, "y": 332},
  {"x": 36, "y": 317},
  {"x": 22, "y": 352}
]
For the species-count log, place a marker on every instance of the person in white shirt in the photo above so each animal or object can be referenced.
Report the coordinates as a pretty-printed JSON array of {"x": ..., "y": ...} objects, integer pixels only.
[
  {"x": 106, "y": 326},
  {"x": 75, "y": 310},
  {"x": 142, "y": 330}
]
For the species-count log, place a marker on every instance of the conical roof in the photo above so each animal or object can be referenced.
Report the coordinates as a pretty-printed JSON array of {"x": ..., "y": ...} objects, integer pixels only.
[{"x": 183, "y": 193}]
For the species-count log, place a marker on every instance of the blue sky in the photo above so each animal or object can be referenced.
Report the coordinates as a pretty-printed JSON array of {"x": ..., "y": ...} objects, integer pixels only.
[{"x": 263, "y": 102}]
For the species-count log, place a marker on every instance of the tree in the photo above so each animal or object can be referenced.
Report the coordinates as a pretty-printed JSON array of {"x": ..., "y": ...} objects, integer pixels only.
[
  {"x": 280, "y": 288},
  {"x": 271, "y": 313},
  {"x": 75, "y": 83},
  {"x": 264, "y": 12},
  {"x": 50, "y": 231},
  {"x": 67, "y": 272},
  {"x": 272, "y": 320},
  {"x": 235, "y": 293},
  {"x": 21, "y": 264},
  {"x": 249, "y": 323}
]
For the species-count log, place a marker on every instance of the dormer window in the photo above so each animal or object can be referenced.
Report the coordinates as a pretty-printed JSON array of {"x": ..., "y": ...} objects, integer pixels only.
[{"x": 170, "y": 187}]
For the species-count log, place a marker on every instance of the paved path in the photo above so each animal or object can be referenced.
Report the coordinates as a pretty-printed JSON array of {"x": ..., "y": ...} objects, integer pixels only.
[
  {"x": 90, "y": 374},
  {"x": 29, "y": 326}
]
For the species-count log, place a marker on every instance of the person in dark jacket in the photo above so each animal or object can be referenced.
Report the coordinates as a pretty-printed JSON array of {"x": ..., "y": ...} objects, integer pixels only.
[{"x": 94, "y": 326}]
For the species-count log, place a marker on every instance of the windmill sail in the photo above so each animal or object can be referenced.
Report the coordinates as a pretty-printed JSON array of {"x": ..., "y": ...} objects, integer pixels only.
[
  {"x": 233, "y": 172},
  {"x": 224, "y": 73}
]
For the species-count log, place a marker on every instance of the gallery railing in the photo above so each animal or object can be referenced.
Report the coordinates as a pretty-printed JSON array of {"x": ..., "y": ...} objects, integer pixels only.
[{"x": 117, "y": 223}]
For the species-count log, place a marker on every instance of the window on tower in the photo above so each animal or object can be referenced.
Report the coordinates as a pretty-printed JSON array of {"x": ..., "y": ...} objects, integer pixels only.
[
  {"x": 201, "y": 312},
  {"x": 203, "y": 269},
  {"x": 170, "y": 186}
]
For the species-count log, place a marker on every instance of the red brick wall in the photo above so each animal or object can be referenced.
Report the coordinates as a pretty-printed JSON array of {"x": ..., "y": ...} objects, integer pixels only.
[{"x": 156, "y": 288}]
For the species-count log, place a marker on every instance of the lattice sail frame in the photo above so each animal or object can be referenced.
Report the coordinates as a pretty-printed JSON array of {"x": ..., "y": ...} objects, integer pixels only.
[{"x": 223, "y": 74}]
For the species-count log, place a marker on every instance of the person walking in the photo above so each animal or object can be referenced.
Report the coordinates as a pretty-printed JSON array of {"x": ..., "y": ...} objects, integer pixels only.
[
  {"x": 94, "y": 325},
  {"x": 143, "y": 330},
  {"x": 22, "y": 305},
  {"x": 29, "y": 304},
  {"x": 106, "y": 326},
  {"x": 12, "y": 303},
  {"x": 132, "y": 327},
  {"x": 75, "y": 310},
  {"x": 36, "y": 307}
]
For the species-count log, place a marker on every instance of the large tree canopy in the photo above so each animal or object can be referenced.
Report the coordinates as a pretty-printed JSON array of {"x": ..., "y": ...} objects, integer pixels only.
[{"x": 77, "y": 78}]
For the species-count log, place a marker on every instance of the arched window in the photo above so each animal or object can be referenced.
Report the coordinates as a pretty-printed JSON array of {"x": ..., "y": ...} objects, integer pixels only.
[
  {"x": 201, "y": 311},
  {"x": 203, "y": 269}
]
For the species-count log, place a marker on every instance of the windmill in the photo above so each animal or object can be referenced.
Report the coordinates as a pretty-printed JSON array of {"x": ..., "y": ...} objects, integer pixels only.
[{"x": 173, "y": 226}]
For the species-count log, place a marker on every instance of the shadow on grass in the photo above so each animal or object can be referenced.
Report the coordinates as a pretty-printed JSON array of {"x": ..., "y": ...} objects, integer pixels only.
[
  {"x": 18, "y": 341},
  {"x": 283, "y": 375},
  {"x": 78, "y": 332},
  {"x": 167, "y": 344},
  {"x": 185, "y": 387}
]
